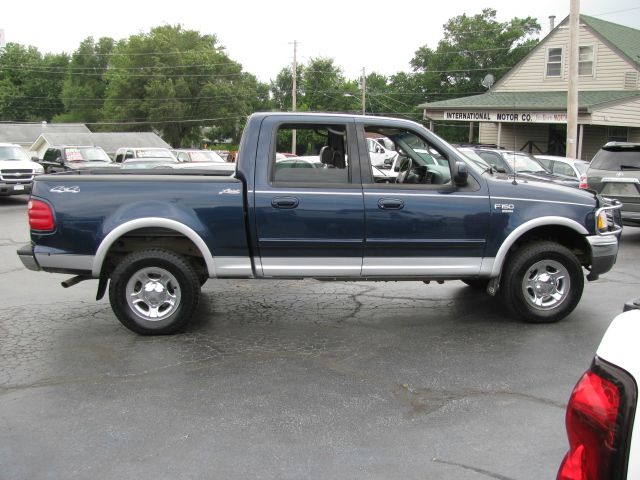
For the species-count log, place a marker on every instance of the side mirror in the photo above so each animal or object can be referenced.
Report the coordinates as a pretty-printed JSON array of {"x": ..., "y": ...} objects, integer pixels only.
[
  {"x": 59, "y": 160},
  {"x": 396, "y": 168},
  {"x": 460, "y": 174},
  {"x": 35, "y": 159}
]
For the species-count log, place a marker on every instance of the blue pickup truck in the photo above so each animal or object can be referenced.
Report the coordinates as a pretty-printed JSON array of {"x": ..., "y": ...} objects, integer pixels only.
[{"x": 153, "y": 237}]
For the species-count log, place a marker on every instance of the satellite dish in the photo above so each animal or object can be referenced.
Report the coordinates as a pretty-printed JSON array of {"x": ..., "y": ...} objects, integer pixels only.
[{"x": 488, "y": 81}]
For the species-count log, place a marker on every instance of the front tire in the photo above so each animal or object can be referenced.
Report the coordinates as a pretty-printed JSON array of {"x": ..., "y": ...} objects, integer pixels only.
[
  {"x": 154, "y": 292},
  {"x": 542, "y": 282}
]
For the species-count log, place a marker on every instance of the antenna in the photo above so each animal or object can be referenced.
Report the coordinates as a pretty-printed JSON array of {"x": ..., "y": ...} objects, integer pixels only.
[{"x": 488, "y": 81}]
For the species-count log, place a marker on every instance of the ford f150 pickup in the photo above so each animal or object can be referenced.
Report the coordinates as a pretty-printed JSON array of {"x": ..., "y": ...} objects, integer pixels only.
[{"x": 152, "y": 238}]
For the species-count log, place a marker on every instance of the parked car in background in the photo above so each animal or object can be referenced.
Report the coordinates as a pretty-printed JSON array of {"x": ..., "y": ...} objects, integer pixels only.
[
  {"x": 522, "y": 164},
  {"x": 149, "y": 162},
  {"x": 615, "y": 173},
  {"x": 380, "y": 155},
  {"x": 600, "y": 416},
  {"x": 569, "y": 167},
  {"x": 16, "y": 170},
  {"x": 192, "y": 158},
  {"x": 62, "y": 158},
  {"x": 125, "y": 153}
]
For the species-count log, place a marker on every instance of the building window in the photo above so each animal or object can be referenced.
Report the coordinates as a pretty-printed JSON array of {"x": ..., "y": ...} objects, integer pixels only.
[
  {"x": 617, "y": 134},
  {"x": 585, "y": 61},
  {"x": 554, "y": 62}
]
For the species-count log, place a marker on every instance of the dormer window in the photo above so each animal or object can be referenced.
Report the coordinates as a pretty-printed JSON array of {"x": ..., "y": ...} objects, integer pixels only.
[
  {"x": 554, "y": 62},
  {"x": 585, "y": 61}
]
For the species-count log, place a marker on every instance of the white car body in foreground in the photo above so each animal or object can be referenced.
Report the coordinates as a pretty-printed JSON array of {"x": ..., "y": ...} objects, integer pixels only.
[{"x": 591, "y": 409}]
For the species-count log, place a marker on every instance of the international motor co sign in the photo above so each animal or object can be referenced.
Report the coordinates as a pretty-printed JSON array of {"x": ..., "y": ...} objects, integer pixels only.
[{"x": 507, "y": 117}]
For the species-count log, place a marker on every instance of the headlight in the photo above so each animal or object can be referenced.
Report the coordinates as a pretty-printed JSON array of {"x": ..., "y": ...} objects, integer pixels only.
[
  {"x": 608, "y": 218},
  {"x": 39, "y": 170}
]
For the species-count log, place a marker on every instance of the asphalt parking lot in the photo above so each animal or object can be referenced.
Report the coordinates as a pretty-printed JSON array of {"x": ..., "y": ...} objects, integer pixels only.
[{"x": 286, "y": 379}]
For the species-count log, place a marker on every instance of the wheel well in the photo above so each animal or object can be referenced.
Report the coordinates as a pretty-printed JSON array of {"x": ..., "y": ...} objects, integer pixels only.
[
  {"x": 565, "y": 236},
  {"x": 154, "y": 237}
]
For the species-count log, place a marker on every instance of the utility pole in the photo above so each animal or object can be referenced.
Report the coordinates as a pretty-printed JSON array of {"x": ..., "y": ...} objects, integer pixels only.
[
  {"x": 572, "y": 93},
  {"x": 364, "y": 90},
  {"x": 294, "y": 76}
]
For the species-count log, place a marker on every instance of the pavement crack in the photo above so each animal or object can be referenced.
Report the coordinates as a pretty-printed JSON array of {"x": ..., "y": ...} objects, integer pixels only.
[{"x": 481, "y": 471}]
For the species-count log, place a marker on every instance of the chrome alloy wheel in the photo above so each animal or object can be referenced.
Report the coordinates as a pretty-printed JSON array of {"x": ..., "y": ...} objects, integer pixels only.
[
  {"x": 153, "y": 293},
  {"x": 546, "y": 284}
]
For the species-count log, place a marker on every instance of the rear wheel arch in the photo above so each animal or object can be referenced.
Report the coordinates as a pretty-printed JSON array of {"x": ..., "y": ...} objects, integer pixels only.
[{"x": 148, "y": 225}]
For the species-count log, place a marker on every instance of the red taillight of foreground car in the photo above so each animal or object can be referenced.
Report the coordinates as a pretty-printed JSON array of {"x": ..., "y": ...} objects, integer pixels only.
[
  {"x": 40, "y": 216},
  {"x": 583, "y": 182},
  {"x": 597, "y": 420}
]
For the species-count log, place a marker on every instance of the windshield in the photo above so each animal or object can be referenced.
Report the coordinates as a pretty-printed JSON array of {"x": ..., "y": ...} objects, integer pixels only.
[
  {"x": 616, "y": 160},
  {"x": 88, "y": 154},
  {"x": 523, "y": 163},
  {"x": 13, "y": 153},
  {"x": 154, "y": 152},
  {"x": 477, "y": 161},
  {"x": 206, "y": 156}
]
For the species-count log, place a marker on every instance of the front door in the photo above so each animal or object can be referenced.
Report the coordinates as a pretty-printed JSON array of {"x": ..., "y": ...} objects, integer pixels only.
[{"x": 423, "y": 225}]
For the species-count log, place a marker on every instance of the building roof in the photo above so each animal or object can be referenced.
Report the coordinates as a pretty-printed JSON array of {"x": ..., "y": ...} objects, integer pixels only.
[
  {"x": 533, "y": 100},
  {"x": 27, "y": 133},
  {"x": 109, "y": 141},
  {"x": 625, "y": 39}
]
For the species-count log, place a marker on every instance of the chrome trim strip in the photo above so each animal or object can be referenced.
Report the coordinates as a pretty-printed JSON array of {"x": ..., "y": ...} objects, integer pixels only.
[
  {"x": 537, "y": 200},
  {"x": 65, "y": 261},
  {"x": 146, "y": 223},
  {"x": 440, "y": 195},
  {"x": 620, "y": 180},
  {"x": 524, "y": 228},
  {"x": 233, "y": 267},
  {"x": 415, "y": 266},
  {"x": 307, "y": 192},
  {"x": 311, "y": 267}
]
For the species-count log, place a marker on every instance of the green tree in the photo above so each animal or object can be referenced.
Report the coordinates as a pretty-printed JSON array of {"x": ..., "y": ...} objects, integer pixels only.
[
  {"x": 84, "y": 88},
  {"x": 472, "y": 47},
  {"x": 30, "y": 83},
  {"x": 178, "y": 81}
]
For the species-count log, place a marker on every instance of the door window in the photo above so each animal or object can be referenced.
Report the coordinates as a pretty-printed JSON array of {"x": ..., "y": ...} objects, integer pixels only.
[
  {"x": 321, "y": 155},
  {"x": 418, "y": 162}
]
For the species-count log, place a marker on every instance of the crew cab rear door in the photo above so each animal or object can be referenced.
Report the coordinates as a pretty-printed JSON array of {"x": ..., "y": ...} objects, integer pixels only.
[
  {"x": 309, "y": 211},
  {"x": 423, "y": 225}
]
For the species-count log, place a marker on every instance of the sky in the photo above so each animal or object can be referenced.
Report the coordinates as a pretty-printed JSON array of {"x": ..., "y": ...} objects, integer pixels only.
[{"x": 378, "y": 36}]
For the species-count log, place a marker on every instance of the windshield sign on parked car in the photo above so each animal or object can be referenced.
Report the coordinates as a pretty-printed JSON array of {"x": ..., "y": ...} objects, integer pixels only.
[{"x": 89, "y": 154}]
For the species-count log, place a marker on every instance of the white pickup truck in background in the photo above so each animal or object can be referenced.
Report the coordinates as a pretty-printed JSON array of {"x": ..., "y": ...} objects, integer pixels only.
[
  {"x": 600, "y": 415},
  {"x": 16, "y": 170}
]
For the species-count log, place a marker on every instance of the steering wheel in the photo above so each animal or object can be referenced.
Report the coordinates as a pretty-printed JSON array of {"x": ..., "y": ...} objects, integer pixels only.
[{"x": 404, "y": 174}]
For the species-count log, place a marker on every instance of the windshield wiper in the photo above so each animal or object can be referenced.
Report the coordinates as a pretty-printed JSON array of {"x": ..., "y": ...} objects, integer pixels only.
[{"x": 629, "y": 167}]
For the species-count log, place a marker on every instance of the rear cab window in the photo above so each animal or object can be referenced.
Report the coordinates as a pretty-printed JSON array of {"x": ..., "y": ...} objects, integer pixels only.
[{"x": 322, "y": 155}]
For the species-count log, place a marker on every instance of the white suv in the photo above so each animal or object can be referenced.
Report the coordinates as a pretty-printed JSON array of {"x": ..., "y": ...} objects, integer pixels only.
[{"x": 16, "y": 170}]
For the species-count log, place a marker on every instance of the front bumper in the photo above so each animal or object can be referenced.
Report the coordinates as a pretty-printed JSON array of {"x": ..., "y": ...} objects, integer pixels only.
[
  {"x": 15, "y": 188},
  {"x": 604, "y": 251},
  {"x": 28, "y": 259}
]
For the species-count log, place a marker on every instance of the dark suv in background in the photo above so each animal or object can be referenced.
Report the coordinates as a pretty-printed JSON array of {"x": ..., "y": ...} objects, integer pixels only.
[
  {"x": 615, "y": 173},
  {"x": 75, "y": 157}
]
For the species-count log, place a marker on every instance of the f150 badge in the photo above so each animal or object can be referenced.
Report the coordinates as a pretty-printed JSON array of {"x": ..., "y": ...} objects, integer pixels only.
[
  {"x": 63, "y": 189},
  {"x": 505, "y": 207}
]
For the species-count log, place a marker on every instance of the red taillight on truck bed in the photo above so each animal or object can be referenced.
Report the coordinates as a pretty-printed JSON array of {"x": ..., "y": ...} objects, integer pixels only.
[
  {"x": 40, "y": 216},
  {"x": 583, "y": 182},
  {"x": 598, "y": 420}
]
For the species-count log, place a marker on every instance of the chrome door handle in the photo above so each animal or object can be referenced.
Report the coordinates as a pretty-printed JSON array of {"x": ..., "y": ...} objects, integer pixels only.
[{"x": 390, "y": 204}]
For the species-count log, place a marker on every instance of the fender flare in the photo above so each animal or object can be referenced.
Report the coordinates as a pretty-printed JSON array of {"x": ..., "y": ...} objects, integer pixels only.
[
  {"x": 526, "y": 227},
  {"x": 138, "y": 223}
]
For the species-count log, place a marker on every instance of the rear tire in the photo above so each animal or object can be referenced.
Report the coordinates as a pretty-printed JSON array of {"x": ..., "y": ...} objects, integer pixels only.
[
  {"x": 542, "y": 282},
  {"x": 154, "y": 292}
]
